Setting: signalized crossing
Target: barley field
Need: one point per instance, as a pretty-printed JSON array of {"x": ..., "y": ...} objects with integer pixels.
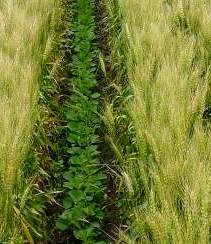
[{"x": 105, "y": 112}]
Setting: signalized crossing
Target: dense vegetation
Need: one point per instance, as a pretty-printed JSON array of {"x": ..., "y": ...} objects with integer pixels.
[
  {"x": 105, "y": 121},
  {"x": 24, "y": 29},
  {"x": 84, "y": 180},
  {"x": 167, "y": 175}
]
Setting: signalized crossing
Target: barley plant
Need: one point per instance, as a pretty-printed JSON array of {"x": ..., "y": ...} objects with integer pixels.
[
  {"x": 168, "y": 65},
  {"x": 23, "y": 28}
]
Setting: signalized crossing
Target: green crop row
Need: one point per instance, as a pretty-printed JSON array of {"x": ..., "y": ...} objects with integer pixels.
[{"x": 84, "y": 180}]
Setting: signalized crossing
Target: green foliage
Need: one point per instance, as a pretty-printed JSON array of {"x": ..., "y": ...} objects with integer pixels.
[{"x": 84, "y": 179}]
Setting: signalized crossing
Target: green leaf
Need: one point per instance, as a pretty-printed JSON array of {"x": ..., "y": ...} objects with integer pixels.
[
  {"x": 76, "y": 195},
  {"x": 62, "y": 225}
]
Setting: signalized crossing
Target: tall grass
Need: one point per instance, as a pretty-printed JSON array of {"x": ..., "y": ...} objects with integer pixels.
[
  {"x": 23, "y": 28},
  {"x": 168, "y": 66}
]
